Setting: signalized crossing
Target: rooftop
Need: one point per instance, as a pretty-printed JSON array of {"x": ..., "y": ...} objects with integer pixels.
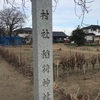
[
  {"x": 59, "y": 34},
  {"x": 92, "y": 27}
]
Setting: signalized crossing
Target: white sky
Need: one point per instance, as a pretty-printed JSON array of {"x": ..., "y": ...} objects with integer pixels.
[{"x": 64, "y": 18}]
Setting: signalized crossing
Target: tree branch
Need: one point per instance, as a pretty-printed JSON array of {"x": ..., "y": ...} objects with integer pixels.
[
  {"x": 56, "y": 2},
  {"x": 83, "y": 4},
  {"x": 84, "y": 8}
]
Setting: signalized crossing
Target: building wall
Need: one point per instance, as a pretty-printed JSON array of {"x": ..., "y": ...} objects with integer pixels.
[
  {"x": 97, "y": 40},
  {"x": 91, "y": 37},
  {"x": 96, "y": 31}
]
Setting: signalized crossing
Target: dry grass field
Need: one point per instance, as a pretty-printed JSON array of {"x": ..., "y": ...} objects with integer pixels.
[
  {"x": 78, "y": 82},
  {"x": 87, "y": 83}
]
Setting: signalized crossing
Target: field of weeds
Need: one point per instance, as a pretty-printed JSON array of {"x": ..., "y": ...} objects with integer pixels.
[{"x": 84, "y": 79}]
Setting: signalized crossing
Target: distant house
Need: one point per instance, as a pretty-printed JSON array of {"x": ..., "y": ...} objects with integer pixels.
[
  {"x": 59, "y": 37},
  {"x": 27, "y": 34},
  {"x": 92, "y": 33},
  {"x": 26, "y": 30},
  {"x": 13, "y": 40}
]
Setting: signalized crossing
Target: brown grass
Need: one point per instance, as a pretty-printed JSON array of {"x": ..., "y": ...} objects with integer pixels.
[{"x": 87, "y": 83}]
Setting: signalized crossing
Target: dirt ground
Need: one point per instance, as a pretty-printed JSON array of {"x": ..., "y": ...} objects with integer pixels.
[{"x": 13, "y": 86}]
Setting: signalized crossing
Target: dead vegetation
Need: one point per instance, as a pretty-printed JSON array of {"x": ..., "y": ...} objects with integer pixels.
[
  {"x": 78, "y": 67},
  {"x": 14, "y": 60}
]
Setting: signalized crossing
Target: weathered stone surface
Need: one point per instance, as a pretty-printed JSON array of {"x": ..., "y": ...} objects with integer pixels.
[{"x": 42, "y": 49}]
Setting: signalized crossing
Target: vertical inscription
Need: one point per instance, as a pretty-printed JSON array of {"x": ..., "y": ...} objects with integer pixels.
[
  {"x": 46, "y": 96},
  {"x": 46, "y": 68},
  {"x": 44, "y": 14},
  {"x": 45, "y": 54},
  {"x": 42, "y": 53},
  {"x": 46, "y": 82},
  {"x": 45, "y": 34}
]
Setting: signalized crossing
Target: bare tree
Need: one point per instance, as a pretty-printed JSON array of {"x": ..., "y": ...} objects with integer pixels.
[{"x": 11, "y": 19}]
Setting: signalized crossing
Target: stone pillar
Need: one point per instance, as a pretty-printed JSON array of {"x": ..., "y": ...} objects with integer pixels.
[{"x": 42, "y": 49}]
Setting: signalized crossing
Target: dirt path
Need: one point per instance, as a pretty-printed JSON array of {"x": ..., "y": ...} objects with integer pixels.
[{"x": 13, "y": 86}]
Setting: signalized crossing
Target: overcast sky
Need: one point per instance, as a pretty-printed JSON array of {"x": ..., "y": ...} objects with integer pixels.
[{"x": 64, "y": 18}]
